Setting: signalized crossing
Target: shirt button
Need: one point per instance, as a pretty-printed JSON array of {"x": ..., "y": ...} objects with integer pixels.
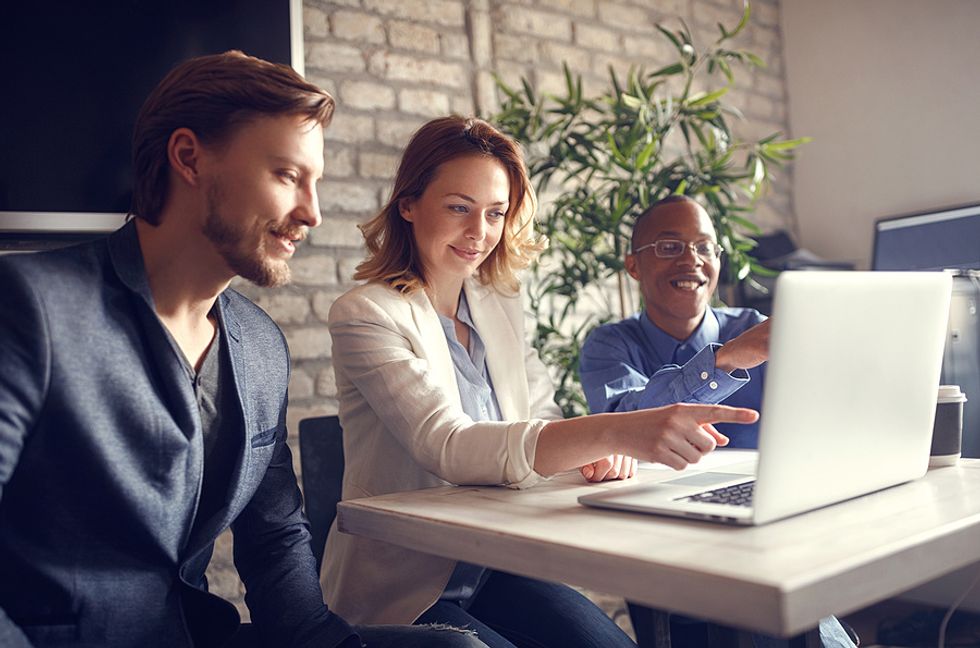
[
  {"x": 704, "y": 375},
  {"x": 713, "y": 384}
]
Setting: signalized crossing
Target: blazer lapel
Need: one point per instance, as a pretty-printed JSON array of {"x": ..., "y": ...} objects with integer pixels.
[
  {"x": 231, "y": 335},
  {"x": 505, "y": 350},
  {"x": 433, "y": 345}
]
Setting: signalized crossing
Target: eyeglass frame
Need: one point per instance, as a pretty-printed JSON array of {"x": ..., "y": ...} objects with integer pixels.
[{"x": 688, "y": 245}]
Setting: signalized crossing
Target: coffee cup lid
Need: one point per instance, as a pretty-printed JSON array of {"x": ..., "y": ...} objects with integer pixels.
[{"x": 951, "y": 394}]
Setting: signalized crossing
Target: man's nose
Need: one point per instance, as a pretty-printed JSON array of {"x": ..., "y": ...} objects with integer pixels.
[
  {"x": 689, "y": 256},
  {"x": 308, "y": 210}
]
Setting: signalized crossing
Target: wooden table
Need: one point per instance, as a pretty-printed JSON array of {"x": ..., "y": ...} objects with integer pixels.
[{"x": 779, "y": 578}]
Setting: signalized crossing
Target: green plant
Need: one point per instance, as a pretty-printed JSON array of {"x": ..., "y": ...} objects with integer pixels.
[{"x": 609, "y": 157}]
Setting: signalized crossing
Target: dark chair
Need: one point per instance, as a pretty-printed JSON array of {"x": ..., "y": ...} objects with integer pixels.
[{"x": 321, "y": 457}]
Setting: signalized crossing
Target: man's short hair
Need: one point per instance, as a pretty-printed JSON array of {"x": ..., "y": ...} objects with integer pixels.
[
  {"x": 212, "y": 96},
  {"x": 652, "y": 209}
]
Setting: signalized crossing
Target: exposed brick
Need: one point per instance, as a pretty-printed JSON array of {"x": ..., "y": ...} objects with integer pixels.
[
  {"x": 430, "y": 103},
  {"x": 357, "y": 26},
  {"x": 652, "y": 47},
  {"x": 486, "y": 94},
  {"x": 350, "y": 128},
  {"x": 366, "y": 95},
  {"x": 326, "y": 383},
  {"x": 400, "y": 67},
  {"x": 766, "y": 14},
  {"x": 709, "y": 15},
  {"x": 300, "y": 384},
  {"x": 337, "y": 232},
  {"x": 600, "y": 38},
  {"x": 322, "y": 302},
  {"x": 285, "y": 308},
  {"x": 315, "y": 23},
  {"x": 314, "y": 270},
  {"x": 347, "y": 197},
  {"x": 345, "y": 268},
  {"x": 481, "y": 30},
  {"x": 325, "y": 82},
  {"x": 534, "y": 22},
  {"x": 550, "y": 81},
  {"x": 334, "y": 57},
  {"x": 557, "y": 53},
  {"x": 624, "y": 16},
  {"x": 768, "y": 85},
  {"x": 462, "y": 104},
  {"x": 338, "y": 162},
  {"x": 441, "y": 12},
  {"x": 378, "y": 165},
  {"x": 514, "y": 48},
  {"x": 308, "y": 343},
  {"x": 396, "y": 132},
  {"x": 455, "y": 45},
  {"x": 578, "y": 7},
  {"x": 406, "y": 35}
]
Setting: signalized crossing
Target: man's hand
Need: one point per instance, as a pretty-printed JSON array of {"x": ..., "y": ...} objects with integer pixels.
[
  {"x": 612, "y": 467},
  {"x": 750, "y": 349}
]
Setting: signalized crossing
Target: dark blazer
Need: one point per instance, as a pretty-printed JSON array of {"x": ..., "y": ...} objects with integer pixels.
[{"x": 101, "y": 465}]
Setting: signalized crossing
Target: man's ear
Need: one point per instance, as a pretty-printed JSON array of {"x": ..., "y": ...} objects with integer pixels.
[
  {"x": 405, "y": 208},
  {"x": 184, "y": 154},
  {"x": 631, "y": 269}
]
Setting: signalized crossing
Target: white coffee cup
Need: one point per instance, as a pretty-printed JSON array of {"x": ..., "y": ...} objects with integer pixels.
[{"x": 947, "y": 432}]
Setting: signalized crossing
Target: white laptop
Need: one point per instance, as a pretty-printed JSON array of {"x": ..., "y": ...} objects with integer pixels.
[{"x": 848, "y": 404}]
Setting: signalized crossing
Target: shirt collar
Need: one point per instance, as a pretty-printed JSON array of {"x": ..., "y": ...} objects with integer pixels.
[{"x": 666, "y": 346}]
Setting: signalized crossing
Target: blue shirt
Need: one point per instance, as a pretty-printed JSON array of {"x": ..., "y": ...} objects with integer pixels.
[
  {"x": 480, "y": 404},
  {"x": 632, "y": 364}
]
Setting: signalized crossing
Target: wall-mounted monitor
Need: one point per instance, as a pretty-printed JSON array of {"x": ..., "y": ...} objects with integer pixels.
[{"x": 75, "y": 76}]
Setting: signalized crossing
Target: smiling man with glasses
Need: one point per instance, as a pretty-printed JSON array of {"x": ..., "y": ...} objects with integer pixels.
[{"x": 678, "y": 349}]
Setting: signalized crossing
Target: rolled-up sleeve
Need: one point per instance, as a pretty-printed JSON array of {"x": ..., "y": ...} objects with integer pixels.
[{"x": 375, "y": 355}]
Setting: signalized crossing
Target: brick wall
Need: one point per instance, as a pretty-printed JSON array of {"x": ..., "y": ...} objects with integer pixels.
[{"x": 393, "y": 64}]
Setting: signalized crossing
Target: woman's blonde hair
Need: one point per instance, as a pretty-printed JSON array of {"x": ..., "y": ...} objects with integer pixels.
[{"x": 392, "y": 254}]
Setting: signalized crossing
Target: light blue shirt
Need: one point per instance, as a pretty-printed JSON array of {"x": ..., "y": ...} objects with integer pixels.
[
  {"x": 632, "y": 364},
  {"x": 480, "y": 404}
]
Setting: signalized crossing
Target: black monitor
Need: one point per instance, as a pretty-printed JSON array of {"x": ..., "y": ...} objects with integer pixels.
[
  {"x": 931, "y": 240},
  {"x": 945, "y": 239},
  {"x": 75, "y": 75}
]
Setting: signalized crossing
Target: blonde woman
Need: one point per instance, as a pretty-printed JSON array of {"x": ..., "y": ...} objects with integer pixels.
[{"x": 437, "y": 385}]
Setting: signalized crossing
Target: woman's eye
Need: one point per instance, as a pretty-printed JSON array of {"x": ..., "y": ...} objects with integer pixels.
[
  {"x": 288, "y": 176},
  {"x": 459, "y": 209},
  {"x": 496, "y": 215}
]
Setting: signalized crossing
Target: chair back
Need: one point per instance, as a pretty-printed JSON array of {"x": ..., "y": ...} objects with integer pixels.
[{"x": 321, "y": 456}]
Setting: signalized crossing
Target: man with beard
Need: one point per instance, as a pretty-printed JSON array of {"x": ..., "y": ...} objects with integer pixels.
[{"x": 143, "y": 402}]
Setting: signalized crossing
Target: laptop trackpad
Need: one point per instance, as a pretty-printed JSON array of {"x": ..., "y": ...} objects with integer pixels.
[{"x": 705, "y": 479}]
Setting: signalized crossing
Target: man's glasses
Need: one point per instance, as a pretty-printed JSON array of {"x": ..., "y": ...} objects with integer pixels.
[{"x": 672, "y": 248}]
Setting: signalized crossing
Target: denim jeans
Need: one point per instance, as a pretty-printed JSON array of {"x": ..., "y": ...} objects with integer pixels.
[
  {"x": 417, "y": 636},
  {"x": 385, "y": 636},
  {"x": 509, "y": 610},
  {"x": 686, "y": 632}
]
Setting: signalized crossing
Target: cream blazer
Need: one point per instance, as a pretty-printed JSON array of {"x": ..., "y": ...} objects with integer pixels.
[{"x": 404, "y": 429}]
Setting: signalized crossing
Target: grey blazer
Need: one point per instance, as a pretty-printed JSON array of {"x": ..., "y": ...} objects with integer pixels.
[{"x": 101, "y": 466}]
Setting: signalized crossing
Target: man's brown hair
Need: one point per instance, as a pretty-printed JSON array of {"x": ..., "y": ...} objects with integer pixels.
[{"x": 212, "y": 96}]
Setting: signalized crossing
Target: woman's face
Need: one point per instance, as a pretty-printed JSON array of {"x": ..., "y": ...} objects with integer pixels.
[{"x": 459, "y": 218}]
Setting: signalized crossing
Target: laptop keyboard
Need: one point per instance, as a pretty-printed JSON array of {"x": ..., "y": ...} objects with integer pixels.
[{"x": 734, "y": 495}]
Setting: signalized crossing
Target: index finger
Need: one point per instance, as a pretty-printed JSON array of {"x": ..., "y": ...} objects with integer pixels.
[{"x": 723, "y": 414}]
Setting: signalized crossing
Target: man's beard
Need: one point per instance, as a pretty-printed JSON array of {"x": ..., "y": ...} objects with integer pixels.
[{"x": 244, "y": 257}]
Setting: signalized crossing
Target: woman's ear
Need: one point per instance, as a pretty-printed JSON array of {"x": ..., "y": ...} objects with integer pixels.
[{"x": 405, "y": 208}]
